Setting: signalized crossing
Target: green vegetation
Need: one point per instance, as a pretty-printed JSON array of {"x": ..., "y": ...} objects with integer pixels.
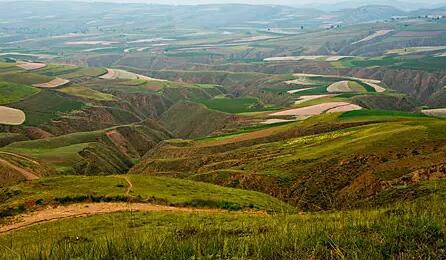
[
  {"x": 72, "y": 72},
  {"x": 431, "y": 64},
  {"x": 88, "y": 93},
  {"x": 379, "y": 114},
  {"x": 278, "y": 158},
  {"x": 415, "y": 230},
  {"x": 234, "y": 105},
  {"x": 46, "y": 106},
  {"x": 10, "y": 92},
  {"x": 26, "y": 78},
  {"x": 158, "y": 190}
]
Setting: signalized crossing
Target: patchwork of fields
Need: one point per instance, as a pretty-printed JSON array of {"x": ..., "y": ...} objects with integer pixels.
[{"x": 137, "y": 131}]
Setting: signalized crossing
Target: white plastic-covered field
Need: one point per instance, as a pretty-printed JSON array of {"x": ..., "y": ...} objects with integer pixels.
[
  {"x": 11, "y": 116},
  {"x": 373, "y": 36},
  {"x": 30, "y": 65},
  {"x": 123, "y": 74},
  {"x": 316, "y": 109},
  {"x": 57, "y": 82}
]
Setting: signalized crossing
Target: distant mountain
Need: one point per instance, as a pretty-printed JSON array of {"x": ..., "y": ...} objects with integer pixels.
[
  {"x": 368, "y": 13},
  {"x": 400, "y": 4}
]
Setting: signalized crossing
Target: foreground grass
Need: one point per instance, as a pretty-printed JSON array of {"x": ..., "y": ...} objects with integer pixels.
[
  {"x": 158, "y": 190},
  {"x": 407, "y": 231}
]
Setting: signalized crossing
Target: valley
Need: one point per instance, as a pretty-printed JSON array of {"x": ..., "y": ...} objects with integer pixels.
[{"x": 220, "y": 131}]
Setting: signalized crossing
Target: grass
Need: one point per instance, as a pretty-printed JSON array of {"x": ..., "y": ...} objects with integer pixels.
[
  {"x": 366, "y": 114},
  {"x": 311, "y": 164},
  {"x": 10, "y": 92},
  {"x": 430, "y": 64},
  {"x": 233, "y": 105},
  {"x": 158, "y": 190},
  {"x": 408, "y": 231},
  {"x": 72, "y": 72},
  {"x": 84, "y": 92},
  {"x": 26, "y": 78},
  {"x": 46, "y": 106}
]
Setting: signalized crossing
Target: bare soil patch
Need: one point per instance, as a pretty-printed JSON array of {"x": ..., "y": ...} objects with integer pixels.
[
  {"x": 11, "y": 116},
  {"x": 57, "y": 82},
  {"x": 350, "y": 107},
  {"x": 30, "y": 65},
  {"x": 373, "y": 36},
  {"x": 29, "y": 175},
  {"x": 303, "y": 99},
  {"x": 123, "y": 74},
  {"x": 89, "y": 209},
  {"x": 439, "y": 112},
  {"x": 311, "y": 110}
]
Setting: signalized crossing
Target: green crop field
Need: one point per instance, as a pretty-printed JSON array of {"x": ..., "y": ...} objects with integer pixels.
[
  {"x": 234, "y": 105},
  {"x": 26, "y": 78},
  {"x": 85, "y": 92},
  {"x": 11, "y": 93},
  {"x": 219, "y": 131},
  {"x": 46, "y": 106}
]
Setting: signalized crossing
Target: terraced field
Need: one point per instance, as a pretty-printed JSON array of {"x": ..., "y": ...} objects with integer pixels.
[{"x": 222, "y": 131}]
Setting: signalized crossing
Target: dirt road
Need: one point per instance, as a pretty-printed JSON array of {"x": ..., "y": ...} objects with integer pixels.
[{"x": 90, "y": 209}]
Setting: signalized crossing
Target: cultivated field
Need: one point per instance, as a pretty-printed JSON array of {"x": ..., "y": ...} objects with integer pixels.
[
  {"x": 11, "y": 116},
  {"x": 439, "y": 112},
  {"x": 373, "y": 36},
  {"x": 313, "y": 110},
  {"x": 122, "y": 74},
  {"x": 57, "y": 82},
  {"x": 30, "y": 65},
  {"x": 300, "y": 58},
  {"x": 345, "y": 86}
]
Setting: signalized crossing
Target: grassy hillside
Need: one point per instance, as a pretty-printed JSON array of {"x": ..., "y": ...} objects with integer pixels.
[
  {"x": 325, "y": 162},
  {"x": 46, "y": 106},
  {"x": 158, "y": 190},
  {"x": 414, "y": 230},
  {"x": 10, "y": 93},
  {"x": 108, "y": 151},
  {"x": 189, "y": 120}
]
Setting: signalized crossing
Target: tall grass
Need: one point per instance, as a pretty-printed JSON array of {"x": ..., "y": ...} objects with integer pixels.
[{"x": 411, "y": 231}]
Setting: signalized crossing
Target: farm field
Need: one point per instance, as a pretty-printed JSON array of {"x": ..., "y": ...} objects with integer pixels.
[
  {"x": 11, "y": 116},
  {"x": 222, "y": 131}
]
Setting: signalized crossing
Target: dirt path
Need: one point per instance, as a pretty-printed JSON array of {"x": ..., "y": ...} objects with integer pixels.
[
  {"x": 130, "y": 185},
  {"x": 90, "y": 209},
  {"x": 26, "y": 173}
]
